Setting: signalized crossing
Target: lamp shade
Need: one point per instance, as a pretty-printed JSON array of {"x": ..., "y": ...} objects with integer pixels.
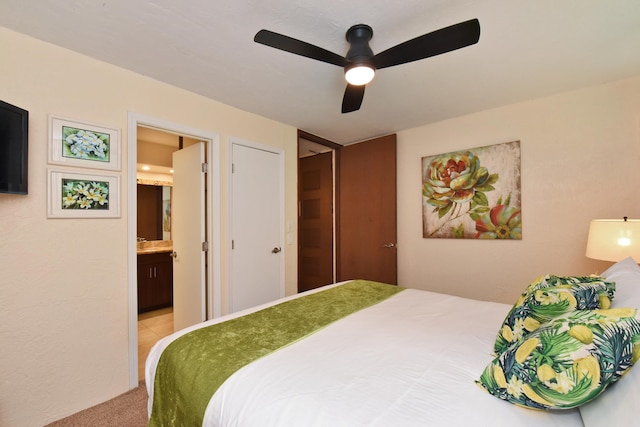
[{"x": 614, "y": 239}]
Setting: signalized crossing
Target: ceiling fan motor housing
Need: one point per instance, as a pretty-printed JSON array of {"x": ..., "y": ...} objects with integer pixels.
[{"x": 359, "y": 53}]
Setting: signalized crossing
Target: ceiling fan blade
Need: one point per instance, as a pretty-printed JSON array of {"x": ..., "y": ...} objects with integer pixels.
[
  {"x": 431, "y": 44},
  {"x": 298, "y": 47},
  {"x": 352, "y": 98}
]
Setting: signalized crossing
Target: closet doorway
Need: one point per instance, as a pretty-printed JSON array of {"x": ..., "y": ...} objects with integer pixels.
[
  {"x": 317, "y": 159},
  {"x": 361, "y": 237}
]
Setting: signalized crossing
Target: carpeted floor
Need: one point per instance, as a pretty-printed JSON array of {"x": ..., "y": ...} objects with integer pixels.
[{"x": 126, "y": 410}]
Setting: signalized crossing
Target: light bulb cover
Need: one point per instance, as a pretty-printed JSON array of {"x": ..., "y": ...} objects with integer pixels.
[{"x": 359, "y": 75}]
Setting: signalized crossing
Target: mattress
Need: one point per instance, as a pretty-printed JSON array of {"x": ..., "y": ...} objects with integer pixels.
[{"x": 410, "y": 360}]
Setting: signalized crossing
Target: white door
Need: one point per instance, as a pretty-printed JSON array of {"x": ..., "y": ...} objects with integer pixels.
[
  {"x": 188, "y": 233},
  {"x": 257, "y": 216}
]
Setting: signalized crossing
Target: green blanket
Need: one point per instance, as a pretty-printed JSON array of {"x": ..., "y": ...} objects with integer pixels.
[{"x": 192, "y": 368}]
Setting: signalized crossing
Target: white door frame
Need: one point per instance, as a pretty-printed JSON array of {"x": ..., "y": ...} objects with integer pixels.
[
  {"x": 212, "y": 141},
  {"x": 280, "y": 152}
]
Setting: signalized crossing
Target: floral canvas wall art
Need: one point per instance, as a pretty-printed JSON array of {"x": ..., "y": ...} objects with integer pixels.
[{"x": 473, "y": 194}]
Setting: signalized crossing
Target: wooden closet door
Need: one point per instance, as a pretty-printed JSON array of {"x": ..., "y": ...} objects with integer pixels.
[
  {"x": 315, "y": 221},
  {"x": 367, "y": 218}
]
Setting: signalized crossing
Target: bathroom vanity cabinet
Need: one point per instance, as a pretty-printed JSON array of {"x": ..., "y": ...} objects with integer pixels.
[{"x": 155, "y": 281}]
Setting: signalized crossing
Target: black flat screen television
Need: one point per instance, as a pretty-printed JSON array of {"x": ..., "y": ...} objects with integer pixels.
[{"x": 14, "y": 141}]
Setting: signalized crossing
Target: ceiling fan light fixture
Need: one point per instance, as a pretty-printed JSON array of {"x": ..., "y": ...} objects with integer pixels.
[
  {"x": 360, "y": 63},
  {"x": 359, "y": 74}
]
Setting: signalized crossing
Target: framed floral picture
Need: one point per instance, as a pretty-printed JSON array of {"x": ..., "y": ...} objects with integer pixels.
[
  {"x": 80, "y": 195},
  {"x": 473, "y": 194},
  {"x": 83, "y": 145}
]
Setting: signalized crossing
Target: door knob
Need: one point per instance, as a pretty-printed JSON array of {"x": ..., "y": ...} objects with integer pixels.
[
  {"x": 275, "y": 250},
  {"x": 174, "y": 254},
  {"x": 390, "y": 245}
]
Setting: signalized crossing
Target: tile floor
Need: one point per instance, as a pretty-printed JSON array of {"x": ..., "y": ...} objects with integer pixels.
[{"x": 152, "y": 326}]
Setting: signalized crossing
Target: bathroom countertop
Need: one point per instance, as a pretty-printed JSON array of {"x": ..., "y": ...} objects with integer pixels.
[{"x": 154, "y": 247}]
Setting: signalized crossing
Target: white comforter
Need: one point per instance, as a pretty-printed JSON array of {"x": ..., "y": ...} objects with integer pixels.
[{"x": 410, "y": 360}]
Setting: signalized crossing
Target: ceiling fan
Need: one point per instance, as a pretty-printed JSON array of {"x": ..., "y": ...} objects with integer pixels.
[{"x": 360, "y": 63}]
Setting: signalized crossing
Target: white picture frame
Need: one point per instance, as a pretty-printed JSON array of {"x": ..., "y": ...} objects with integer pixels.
[
  {"x": 83, "y": 145},
  {"x": 82, "y": 195}
]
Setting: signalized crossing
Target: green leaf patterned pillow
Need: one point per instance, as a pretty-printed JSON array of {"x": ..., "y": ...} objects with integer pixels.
[
  {"x": 548, "y": 297},
  {"x": 568, "y": 361}
]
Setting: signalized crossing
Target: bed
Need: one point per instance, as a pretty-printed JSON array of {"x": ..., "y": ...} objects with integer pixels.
[{"x": 399, "y": 357}]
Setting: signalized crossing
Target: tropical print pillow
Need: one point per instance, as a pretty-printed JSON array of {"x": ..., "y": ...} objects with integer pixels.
[
  {"x": 548, "y": 297},
  {"x": 568, "y": 361}
]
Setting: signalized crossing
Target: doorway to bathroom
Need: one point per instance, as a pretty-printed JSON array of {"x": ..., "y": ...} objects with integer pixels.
[{"x": 206, "y": 208}]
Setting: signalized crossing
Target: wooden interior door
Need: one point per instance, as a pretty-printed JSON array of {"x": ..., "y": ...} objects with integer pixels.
[
  {"x": 315, "y": 221},
  {"x": 367, "y": 217}
]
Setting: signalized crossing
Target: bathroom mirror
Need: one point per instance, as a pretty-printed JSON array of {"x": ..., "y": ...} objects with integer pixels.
[{"x": 154, "y": 211}]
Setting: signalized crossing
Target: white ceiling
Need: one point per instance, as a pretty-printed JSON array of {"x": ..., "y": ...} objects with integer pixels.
[{"x": 527, "y": 49}]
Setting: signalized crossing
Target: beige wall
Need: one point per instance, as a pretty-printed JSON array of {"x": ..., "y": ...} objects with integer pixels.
[
  {"x": 155, "y": 154},
  {"x": 63, "y": 283},
  {"x": 580, "y": 160}
]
